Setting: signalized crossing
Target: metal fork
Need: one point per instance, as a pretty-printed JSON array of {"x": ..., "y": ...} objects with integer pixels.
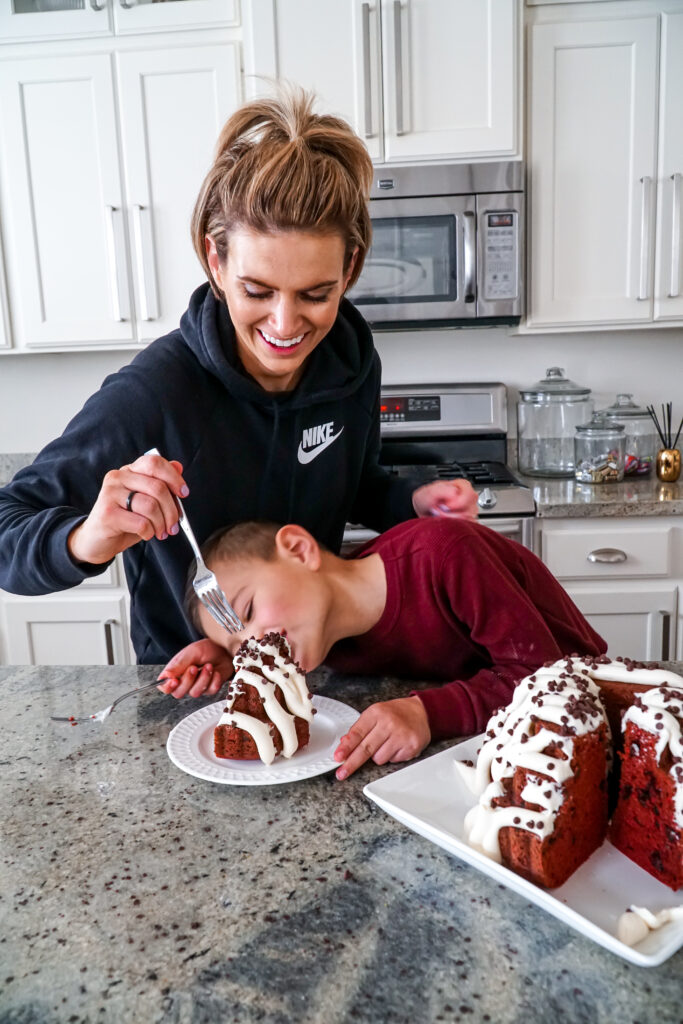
[
  {"x": 205, "y": 584},
  {"x": 100, "y": 716}
]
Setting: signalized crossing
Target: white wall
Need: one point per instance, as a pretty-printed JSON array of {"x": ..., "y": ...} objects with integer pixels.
[{"x": 39, "y": 393}]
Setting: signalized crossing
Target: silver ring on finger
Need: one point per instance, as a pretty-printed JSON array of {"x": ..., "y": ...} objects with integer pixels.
[{"x": 129, "y": 500}]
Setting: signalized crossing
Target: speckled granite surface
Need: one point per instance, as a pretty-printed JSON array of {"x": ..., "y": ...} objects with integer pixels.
[
  {"x": 11, "y": 464},
  {"x": 557, "y": 499},
  {"x": 132, "y": 892}
]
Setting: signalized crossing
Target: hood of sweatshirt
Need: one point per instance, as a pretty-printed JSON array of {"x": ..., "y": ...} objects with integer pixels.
[{"x": 336, "y": 368}]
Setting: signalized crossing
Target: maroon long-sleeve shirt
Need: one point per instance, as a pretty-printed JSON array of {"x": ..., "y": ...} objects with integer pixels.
[{"x": 470, "y": 608}]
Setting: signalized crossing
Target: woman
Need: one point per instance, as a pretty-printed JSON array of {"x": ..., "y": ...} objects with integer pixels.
[{"x": 264, "y": 404}]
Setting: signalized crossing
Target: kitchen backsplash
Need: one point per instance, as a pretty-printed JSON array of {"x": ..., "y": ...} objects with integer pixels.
[{"x": 11, "y": 464}]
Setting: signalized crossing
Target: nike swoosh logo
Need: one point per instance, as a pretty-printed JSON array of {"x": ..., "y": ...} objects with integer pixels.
[{"x": 313, "y": 453}]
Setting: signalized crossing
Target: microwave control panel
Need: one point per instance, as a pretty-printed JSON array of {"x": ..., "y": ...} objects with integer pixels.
[{"x": 500, "y": 255}]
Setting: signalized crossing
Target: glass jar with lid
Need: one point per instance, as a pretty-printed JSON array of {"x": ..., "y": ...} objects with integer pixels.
[
  {"x": 548, "y": 413},
  {"x": 639, "y": 432},
  {"x": 599, "y": 451}
]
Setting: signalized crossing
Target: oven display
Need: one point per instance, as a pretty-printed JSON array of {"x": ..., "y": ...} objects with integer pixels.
[{"x": 409, "y": 409}]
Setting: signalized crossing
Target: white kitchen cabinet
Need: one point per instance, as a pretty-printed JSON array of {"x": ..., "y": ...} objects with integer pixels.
[
  {"x": 173, "y": 104},
  {"x": 592, "y": 168},
  {"x": 636, "y": 622},
  {"x": 668, "y": 272},
  {"x": 53, "y": 19},
  {"x": 605, "y": 176},
  {"x": 63, "y": 202},
  {"x": 91, "y": 264},
  {"x": 625, "y": 575},
  {"x": 418, "y": 79},
  {"x": 87, "y": 625}
]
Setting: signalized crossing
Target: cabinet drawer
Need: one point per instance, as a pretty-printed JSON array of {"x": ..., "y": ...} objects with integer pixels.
[{"x": 608, "y": 553}]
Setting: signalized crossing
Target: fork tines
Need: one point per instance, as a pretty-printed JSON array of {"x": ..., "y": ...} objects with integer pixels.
[{"x": 216, "y": 604}]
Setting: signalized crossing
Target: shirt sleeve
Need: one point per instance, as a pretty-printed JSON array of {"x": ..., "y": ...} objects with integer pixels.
[
  {"x": 481, "y": 592},
  {"x": 45, "y": 501}
]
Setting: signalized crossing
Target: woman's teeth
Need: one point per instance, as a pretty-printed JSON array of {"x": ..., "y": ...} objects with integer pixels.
[{"x": 282, "y": 342}]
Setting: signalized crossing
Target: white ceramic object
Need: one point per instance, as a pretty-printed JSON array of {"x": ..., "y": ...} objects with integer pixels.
[
  {"x": 190, "y": 747},
  {"x": 431, "y": 799}
]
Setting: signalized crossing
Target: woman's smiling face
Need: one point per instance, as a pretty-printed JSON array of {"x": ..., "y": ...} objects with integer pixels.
[{"x": 283, "y": 292}]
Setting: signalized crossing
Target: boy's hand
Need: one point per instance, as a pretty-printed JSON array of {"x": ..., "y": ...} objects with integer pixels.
[
  {"x": 456, "y": 498},
  {"x": 393, "y": 730},
  {"x": 200, "y": 669}
]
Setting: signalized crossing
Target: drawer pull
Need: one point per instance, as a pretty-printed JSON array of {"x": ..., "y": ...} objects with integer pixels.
[
  {"x": 609, "y": 556},
  {"x": 109, "y": 640}
]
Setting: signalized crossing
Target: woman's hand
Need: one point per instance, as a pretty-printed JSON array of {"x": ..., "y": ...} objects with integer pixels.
[
  {"x": 456, "y": 498},
  {"x": 393, "y": 730},
  {"x": 199, "y": 670},
  {"x": 115, "y": 523}
]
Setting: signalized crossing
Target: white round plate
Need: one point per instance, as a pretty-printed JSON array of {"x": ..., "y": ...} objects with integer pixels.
[{"x": 190, "y": 747}]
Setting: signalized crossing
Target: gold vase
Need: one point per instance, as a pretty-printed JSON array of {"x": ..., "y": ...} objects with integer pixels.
[{"x": 668, "y": 464}]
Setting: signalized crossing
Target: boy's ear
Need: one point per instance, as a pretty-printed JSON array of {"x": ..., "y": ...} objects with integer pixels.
[{"x": 297, "y": 544}]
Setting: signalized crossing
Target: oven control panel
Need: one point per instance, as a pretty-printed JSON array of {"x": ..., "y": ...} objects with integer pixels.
[
  {"x": 464, "y": 409},
  {"x": 410, "y": 409}
]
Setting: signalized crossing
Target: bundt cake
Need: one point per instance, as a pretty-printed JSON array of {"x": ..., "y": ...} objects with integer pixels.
[
  {"x": 268, "y": 708},
  {"x": 648, "y": 820},
  {"x": 540, "y": 774}
]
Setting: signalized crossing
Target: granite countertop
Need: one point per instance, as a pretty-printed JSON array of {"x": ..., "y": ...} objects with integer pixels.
[
  {"x": 133, "y": 892},
  {"x": 634, "y": 496}
]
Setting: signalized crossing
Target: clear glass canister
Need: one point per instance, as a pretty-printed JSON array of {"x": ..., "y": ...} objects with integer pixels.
[
  {"x": 640, "y": 437},
  {"x": 548, "y": 413},
  {"x": 599, "y": 451}
]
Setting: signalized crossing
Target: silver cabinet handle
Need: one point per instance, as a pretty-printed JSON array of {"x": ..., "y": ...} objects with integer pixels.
[
  {"x": 109, "y": 640},
  {"x": 98, "y": 7},
  {"x": 125, "y": 4},
  {"x": 398, "y": 62},
  {"x": 607, "y": 555},
  {"x": 666, "y": 635},
  {"x": 367, "y": 75},
  {"x": 118, "y": 279},
  {"x": 144, "y": 262},
  {"x": 469, "y": 290},
  {"x": 675, "y": 286},
  {"x": 644, "y": 285}
]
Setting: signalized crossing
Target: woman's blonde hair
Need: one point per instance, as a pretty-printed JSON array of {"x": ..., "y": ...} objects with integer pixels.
[{"x": 279, "y": 166}]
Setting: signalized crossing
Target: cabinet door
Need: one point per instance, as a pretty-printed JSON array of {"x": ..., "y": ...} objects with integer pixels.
[
  {"x": 62, "y": 201},
  {"x": 331, "y": 47},
  {"x": 636, "y": 621},
  {"x": 66, "y": 630},
  {"x": 173, "y": 104},
  {"x": 592, "y": 165},
  {"x": 5, "y": 332},
  {"x": 450, "y": 77},
  {"x": 669, "y": 273},
  {"x": 52, "y": 19},
  {"x": 150, "y": 16}
]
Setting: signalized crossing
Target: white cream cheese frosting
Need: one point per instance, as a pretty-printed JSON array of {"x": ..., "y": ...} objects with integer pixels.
[
  {"x": 267, "y": 665},
  {"x": 565, "y": 695}
]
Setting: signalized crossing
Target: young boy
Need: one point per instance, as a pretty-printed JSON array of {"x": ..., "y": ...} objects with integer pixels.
[{"x": 431, "y": 599}]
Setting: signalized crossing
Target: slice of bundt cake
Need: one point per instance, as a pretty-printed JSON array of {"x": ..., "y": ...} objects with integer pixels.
[
  {"x": 541, "y": 776},
  {"x": 268, "y": 708},
  {"x": 648, "y": 821}
]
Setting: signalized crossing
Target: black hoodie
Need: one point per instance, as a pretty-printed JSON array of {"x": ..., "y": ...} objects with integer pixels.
[{"x": 307, "y": 456}]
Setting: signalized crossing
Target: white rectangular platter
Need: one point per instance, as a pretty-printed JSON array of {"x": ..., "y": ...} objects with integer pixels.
[{"x": 431, "y": 799}]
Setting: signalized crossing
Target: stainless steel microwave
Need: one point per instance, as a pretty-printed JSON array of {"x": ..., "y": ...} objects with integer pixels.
[{"x": 447, "y": 246}]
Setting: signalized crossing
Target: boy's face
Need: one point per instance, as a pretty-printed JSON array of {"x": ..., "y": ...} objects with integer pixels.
[{"x": 283, "y": 595}]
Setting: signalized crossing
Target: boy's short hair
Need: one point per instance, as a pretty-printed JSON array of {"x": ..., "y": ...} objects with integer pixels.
[{"x": 248, "y": 540}]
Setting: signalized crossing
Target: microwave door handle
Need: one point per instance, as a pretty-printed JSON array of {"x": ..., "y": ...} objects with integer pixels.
[{"x": 469, "y": 285}]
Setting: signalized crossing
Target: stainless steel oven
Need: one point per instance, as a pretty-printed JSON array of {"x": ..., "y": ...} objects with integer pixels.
[
  {"x": 442, "y": 431},
  {"x": 447, "y": 247}
]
